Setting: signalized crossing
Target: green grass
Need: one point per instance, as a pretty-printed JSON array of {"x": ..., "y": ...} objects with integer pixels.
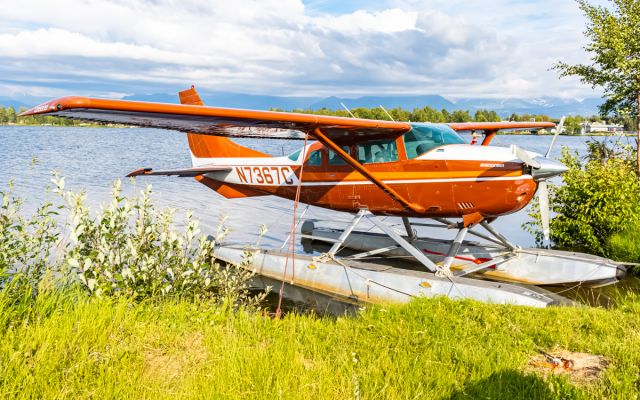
[
  {"x": 625, "y": 246},
  {"x": 68, "y": 346}
]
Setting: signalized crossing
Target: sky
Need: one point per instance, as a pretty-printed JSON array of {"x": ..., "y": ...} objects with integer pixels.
[{"x": 458, "y": 49}]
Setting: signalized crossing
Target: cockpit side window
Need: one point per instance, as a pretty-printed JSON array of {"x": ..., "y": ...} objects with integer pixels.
[
  {"x": 378, "y": 151},
  {"x": 335, "y": 159},
  {"x": 421, "y": 139}
]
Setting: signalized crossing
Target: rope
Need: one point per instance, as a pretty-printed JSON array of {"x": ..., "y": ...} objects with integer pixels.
[{"x": 292, "y": 233}]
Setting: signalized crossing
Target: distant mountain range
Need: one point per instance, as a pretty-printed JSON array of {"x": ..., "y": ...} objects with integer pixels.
[
  {"x": 11, "y": 102},
  {"x": 553, "y": 106}
]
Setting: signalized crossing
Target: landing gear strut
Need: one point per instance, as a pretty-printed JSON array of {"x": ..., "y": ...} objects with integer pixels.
[{"x": 407, "y": 243}]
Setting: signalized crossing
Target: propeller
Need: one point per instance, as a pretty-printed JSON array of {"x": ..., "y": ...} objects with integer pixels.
[
  {"x": 559, "y": 128},
  {"x": 543, "y": 189},
  {"x": 543, "y": 203}
]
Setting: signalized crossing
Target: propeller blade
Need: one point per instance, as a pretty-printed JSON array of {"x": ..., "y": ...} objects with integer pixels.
[
  {"x": 543, "y": 202},
  {"x": 553, "y": 141},
  {"x": 524, "y": 156}
]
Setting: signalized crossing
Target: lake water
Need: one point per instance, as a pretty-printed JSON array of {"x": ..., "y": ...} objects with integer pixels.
[{"x": 92, "y": 158}]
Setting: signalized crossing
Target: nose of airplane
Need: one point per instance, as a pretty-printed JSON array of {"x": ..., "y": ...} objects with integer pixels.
[{"x": 548, "y": 168}]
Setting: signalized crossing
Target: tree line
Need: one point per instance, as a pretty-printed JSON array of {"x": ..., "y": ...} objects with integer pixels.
[
  {"x": 572, "y": 125},
  {"x": 9, "y": 115},
  {"x": 424, "y": 114}
]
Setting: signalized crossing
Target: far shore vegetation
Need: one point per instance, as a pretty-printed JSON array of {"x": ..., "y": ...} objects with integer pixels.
[
  {"x": 9, "y": 116},
  {"x": 572, "y": 123}
]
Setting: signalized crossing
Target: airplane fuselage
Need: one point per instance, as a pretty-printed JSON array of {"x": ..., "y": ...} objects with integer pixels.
[{"x": 448, "y": 181}]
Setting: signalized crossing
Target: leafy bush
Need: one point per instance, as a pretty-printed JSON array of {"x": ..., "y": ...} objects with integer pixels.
[
  {"x": 597, "y": 201},
  {"x": 128, "y": 249}
]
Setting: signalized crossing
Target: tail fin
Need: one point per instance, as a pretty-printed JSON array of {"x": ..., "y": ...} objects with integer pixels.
[{"x": 205, "y": 146}]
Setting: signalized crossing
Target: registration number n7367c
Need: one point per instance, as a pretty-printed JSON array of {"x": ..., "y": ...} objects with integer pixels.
[{"x": 265, "y": 175}]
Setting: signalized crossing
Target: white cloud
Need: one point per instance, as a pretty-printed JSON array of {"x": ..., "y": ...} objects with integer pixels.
[{"x": 453, "y": 48}]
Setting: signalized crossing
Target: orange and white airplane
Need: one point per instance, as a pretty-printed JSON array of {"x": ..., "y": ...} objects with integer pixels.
[{"x": 419, "y": 170}]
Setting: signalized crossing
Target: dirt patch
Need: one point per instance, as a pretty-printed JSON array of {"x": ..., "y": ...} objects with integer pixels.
[
  {"x": 581, "y": 368},
  {"x": 172, "y": 362}
]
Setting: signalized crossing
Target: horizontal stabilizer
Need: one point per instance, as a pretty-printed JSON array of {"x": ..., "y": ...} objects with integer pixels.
[{"x": 189, "y": 172}]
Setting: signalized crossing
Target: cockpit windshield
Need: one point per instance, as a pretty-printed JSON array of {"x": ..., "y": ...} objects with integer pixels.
[{"x": 424, "y": 137}]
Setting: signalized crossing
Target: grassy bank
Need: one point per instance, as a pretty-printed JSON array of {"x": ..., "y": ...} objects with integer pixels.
[
  {"x": 68, "y": 346},
  {"x": 122, "y": 303}
]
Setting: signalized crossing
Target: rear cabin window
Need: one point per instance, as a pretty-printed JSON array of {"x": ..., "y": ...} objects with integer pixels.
[
  {"x": 422, "y": 138},
  {"x": 335, "y": 159},
  {"x": 378, "y": 151}
]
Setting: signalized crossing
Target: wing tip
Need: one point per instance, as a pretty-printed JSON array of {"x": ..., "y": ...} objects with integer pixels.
[
  {"x": 56, "y": 105},
  {"x": 139, "y": 171}
]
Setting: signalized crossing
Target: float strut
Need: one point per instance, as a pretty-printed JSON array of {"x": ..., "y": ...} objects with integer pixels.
[
  {"x": 498, "y": 235},
  {"x": 453, "y": 250},
  {"x": 345, "y": 234},
  {"x": 411, "y": 249},
  {"x": 411, "y": 234}
]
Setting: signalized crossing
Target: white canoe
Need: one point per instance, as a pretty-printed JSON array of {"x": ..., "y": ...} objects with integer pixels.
[
  {"x": 359, "y": 283},
  {"x": 530, "y": 266}
]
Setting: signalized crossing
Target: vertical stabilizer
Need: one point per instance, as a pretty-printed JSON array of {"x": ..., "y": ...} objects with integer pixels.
[{"x": 206, "y": 146}]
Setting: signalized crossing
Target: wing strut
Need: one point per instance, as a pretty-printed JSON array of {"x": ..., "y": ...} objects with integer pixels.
[
  {"x": 416, "y": 208},
  {"x": 488, "y": 136}
]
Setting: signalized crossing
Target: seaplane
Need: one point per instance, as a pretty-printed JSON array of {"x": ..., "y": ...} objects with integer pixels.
[{"x": 426, "y": 174}]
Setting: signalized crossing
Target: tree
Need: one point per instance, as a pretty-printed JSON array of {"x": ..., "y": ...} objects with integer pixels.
[
  {"x": 460, "y": 116},
  {"x": 573, "y": 125},
  {"x": 11, "y": 115},
  {"x": 614, "y": 46},
  {"x": 480, "y": 116},
  {"x": 486, "y": 116}
]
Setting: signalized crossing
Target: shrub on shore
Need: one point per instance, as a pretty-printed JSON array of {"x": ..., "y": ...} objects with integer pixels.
[{"x": 128, "y": 249}]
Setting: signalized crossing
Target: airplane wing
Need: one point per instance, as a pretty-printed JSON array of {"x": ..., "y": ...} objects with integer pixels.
[
  {"x": 498, "y": 126},
  {"x": 189, "y": 172},
  {"x": 490, "y": 128},
  {"x": 219, "y": 121}
]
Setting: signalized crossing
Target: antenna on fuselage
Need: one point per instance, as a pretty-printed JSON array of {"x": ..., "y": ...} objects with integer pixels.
[
  {"x": 349, "y": 111},
  {"x": 387, "y": 112}
]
